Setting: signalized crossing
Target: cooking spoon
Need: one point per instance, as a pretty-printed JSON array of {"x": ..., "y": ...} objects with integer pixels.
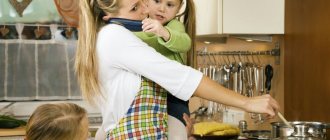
[{"x": 284, "y": 120}]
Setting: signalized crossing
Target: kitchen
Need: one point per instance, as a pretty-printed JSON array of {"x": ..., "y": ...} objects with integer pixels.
[{"x": 298, "y": 82}]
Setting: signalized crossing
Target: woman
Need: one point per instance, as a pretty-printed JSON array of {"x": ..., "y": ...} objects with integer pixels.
[{"x": 118, "y": 72}]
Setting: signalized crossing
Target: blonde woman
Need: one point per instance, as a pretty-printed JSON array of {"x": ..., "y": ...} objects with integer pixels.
[
  {"x": 129, "y": 81},
  {"x": 62, "y": 121},
  {"x": 173, "y": 39}
]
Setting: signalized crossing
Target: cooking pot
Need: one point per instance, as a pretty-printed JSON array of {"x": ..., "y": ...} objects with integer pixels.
[{"x": 301, "y": 129}]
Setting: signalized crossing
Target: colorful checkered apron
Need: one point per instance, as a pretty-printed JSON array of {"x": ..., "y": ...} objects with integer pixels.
[{"x": 147, "y": 116}]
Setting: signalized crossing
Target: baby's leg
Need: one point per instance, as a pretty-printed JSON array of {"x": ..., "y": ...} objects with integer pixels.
[{"x": 176, "y": 129}]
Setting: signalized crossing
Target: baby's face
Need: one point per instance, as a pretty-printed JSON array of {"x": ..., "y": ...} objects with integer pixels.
[{"x": 163, "y": 10}]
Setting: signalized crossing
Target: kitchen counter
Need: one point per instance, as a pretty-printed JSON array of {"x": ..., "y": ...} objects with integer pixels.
[{"x": 20, "y": 131}]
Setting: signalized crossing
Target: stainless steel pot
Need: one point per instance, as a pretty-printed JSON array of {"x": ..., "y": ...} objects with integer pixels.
[{"x": 300, "y": 129}]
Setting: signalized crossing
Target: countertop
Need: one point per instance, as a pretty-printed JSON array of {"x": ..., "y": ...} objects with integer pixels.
[{"x": 19, "y": 131}]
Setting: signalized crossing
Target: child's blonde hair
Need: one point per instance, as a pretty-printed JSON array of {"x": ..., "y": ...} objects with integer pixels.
[
  {"x": 63, "y": 121},
  {"x": 86, "y": 63}
]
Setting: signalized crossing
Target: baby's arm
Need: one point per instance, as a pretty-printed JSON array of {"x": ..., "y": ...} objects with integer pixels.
[
  {"x": 172, "y": 36},
  {"x": 179, "y": 39},
  {"x": 154, "y": 26}
]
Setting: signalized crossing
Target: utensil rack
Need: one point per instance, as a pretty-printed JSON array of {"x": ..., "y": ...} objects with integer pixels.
[{"x": 273, "y": 52}]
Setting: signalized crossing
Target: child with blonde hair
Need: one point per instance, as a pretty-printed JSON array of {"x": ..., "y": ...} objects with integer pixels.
[{"x": 62, "y": 121}]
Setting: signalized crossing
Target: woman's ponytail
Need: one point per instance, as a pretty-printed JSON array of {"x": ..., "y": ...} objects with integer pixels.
[{"x": 86, "y": 64}]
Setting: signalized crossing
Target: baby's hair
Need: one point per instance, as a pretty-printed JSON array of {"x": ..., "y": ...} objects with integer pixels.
[
  {"x": 62, "y": 121},
  {"x": 189, "y": 20}
]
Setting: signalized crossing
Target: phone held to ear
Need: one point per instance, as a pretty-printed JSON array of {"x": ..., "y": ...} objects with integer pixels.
[{"x": 132, "y": 25}]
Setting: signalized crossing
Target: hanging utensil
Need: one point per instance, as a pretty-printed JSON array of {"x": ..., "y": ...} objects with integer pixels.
[
  {"x": 244, "y": 80},
  {"x": 250, "y": 85},
  {"x": 256, "y": 77},
  {"x": 218, "y": 67},
  {"x": 234, "y": 75},
  {"x": 269, "y": 76},
  {"x": 239, "y": 79},
  {"x": 261, "y": 79}
]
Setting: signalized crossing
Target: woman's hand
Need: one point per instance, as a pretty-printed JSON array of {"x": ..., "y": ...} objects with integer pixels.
[
  {"x": 154, "y": 26},
  {"x": 262, "y": 104}
]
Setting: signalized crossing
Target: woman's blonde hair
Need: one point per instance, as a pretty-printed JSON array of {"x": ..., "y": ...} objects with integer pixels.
[
  {"x": 63, "y": 121},
  {"x": 189, "y": 20},
  {"x": 86, "y": 63}
]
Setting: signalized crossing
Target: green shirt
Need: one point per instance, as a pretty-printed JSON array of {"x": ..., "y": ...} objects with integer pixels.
[{"x": 175, "y": 48}]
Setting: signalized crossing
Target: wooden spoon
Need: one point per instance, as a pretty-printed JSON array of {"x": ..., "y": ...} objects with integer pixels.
[{"x": 284, "y": 120}]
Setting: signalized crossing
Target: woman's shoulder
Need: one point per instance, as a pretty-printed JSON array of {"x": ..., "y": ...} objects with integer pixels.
[
  {"x": 115, "y": 29},
  {"x": 115, "y": 32},
  {"x": 118, "y": 37}
]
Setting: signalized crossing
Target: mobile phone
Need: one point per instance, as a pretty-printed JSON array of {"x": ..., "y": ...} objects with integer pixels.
[{"x": 132, "y": 25}]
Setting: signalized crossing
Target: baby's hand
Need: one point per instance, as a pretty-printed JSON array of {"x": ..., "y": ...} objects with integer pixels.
[
  {"x": 154, "y": 26},
  {"x": 189, "y": 125}
]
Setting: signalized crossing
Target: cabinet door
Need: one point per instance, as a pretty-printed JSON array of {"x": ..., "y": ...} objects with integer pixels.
[
  {"x": 208, "y": 17},
  {"x": 253, "y": 16}
]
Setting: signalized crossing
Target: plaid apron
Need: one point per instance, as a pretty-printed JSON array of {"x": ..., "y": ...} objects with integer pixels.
[{"x": 147, "y": 116}]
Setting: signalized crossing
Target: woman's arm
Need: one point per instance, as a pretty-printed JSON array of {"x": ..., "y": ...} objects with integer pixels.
[
  {"x": 210, "y": 90},
  {"x": 128, "y": 52}
]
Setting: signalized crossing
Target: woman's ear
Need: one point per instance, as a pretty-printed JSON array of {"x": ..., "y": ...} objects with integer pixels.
[{"x": 106, "y": 18}]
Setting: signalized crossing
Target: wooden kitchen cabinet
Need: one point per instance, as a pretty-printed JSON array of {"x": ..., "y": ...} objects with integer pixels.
[
  {"x": 239, "y": 17},
  {"x": 306, "y": 57},
  {"x": 208, "y": 17}
]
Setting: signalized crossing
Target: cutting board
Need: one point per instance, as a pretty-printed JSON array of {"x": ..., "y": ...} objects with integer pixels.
[{"x": 19, "y": 131}]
